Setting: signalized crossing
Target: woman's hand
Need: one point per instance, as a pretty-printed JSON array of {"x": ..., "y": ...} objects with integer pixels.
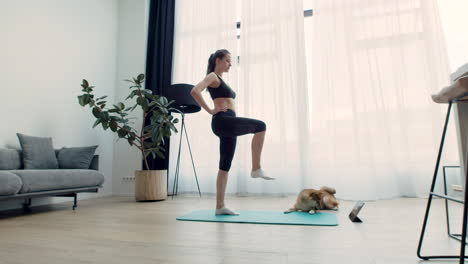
[{"x": 218, "y": 109}]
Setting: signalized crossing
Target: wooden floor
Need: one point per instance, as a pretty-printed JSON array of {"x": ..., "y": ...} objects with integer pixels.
[{"x": 119, "y": 230}]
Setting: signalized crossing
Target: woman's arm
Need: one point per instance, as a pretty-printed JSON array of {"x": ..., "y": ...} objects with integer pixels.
[{"x": 197, "y": 93}]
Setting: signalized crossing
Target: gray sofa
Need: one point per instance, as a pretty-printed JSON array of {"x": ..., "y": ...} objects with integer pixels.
[{"x": 19, "y": 183}]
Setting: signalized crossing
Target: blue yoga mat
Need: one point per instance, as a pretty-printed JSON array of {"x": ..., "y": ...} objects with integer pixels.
[{"x": 264, "y": 217}]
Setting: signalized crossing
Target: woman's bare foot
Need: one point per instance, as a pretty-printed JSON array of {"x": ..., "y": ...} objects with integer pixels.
[
  {"x": 259, "y": 173},
  {"x": 225, "y": 211}
]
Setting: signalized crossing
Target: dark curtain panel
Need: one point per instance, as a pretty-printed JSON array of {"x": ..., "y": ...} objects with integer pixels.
[{"x": 159, "y": 59}]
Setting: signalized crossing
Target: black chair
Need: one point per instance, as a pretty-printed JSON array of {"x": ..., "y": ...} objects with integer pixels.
[{"x": 184, "y": 104}]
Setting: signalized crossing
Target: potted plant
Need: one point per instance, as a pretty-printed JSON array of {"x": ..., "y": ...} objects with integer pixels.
[{"x": 149, "y": 139}]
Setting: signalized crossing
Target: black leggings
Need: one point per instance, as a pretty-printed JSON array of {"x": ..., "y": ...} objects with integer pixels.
[{"x": 227, "y": 127}]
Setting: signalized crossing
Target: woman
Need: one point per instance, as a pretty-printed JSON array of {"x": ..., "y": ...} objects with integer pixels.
[{"x": 226, "y": 125}]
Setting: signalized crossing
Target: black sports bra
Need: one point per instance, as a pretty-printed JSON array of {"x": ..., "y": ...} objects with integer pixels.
[{"x": 223, "y": 91}]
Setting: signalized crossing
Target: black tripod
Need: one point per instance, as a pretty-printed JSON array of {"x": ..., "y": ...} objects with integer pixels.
[
  {"x": 183, "y": 104},
  {"x": 176, "y": 176}
]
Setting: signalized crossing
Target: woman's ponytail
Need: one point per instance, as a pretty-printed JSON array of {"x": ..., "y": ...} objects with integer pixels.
[
  {"x": 211, "y": 64},
  {"x": 219, "y": 54}
]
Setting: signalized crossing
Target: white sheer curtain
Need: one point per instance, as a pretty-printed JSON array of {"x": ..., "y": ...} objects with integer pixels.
[
  {"x": 375, "y": 63},
  {"x": 365, "y": 125},
  {"x": 201, "y": 27},
  {"x": 273, "y": 88},
  {"x": 270, "y": 82}
]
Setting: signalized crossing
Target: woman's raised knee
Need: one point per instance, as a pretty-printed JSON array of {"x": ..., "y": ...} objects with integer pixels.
[{"x": 261, "y": 127}]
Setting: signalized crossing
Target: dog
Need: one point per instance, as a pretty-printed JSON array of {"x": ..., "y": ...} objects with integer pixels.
[{"x": 310, "y": 200}]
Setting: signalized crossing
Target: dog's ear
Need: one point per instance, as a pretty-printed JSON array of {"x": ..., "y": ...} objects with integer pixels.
[
  {"x": 329, "y": 190},
  {"x": 315, "y": 195}
]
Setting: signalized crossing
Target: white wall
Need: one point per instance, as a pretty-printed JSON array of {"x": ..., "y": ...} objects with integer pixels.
[
  {"x": 133, "y": 31},
  {"x": 47, "y": 47}
]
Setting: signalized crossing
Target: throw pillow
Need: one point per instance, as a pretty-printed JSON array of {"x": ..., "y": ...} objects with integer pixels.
[
  {"x": 38, "y": 152},
  {"x": 10, "y": 159},
  {"x": 76, "y": 158}
]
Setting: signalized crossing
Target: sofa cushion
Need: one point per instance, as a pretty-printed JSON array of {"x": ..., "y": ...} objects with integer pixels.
[
  {"x": 76, "y": 158},
  {"x": 38, "y": 152},
  {"x": 10, "y": 159},
  {"x": 10, "y": 183},
  {"x": 47, "y": 180}
]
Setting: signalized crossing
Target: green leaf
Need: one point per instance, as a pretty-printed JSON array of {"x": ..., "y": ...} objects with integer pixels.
[
  {"x": 159, "y": 153},
  {"x": 128, "y": 128},
  {"x": 84, "y": 84},
  {"x": 113, "y": 125},
  {"x": 81, "y": 100},
  {"x": 105, "y": 126},
  {"x": 132, "y": 94},
  {"x": 96, "y": 123},
  {"x": 86, "y": 99},
  {"x": 141, "y": 77},
  {"x": 121, "y": 106},
  {"x": 174, "y": 129},
  {"x": 163, "y": 100},
  {"x": 145, "y": 103},
  {"x": 105, "y": 116},
  {"x": 96, "y": 112},
  {"x": 121, "y": 133},
  {"x": 102, "y": 97},
  {"x": 151, "y": 104}
]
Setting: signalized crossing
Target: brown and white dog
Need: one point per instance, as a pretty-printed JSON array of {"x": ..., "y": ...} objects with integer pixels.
[{"x": 310, "y": 200}]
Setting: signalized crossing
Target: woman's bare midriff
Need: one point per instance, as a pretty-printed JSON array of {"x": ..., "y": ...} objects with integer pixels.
[{"x": 225, "y": 102}]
